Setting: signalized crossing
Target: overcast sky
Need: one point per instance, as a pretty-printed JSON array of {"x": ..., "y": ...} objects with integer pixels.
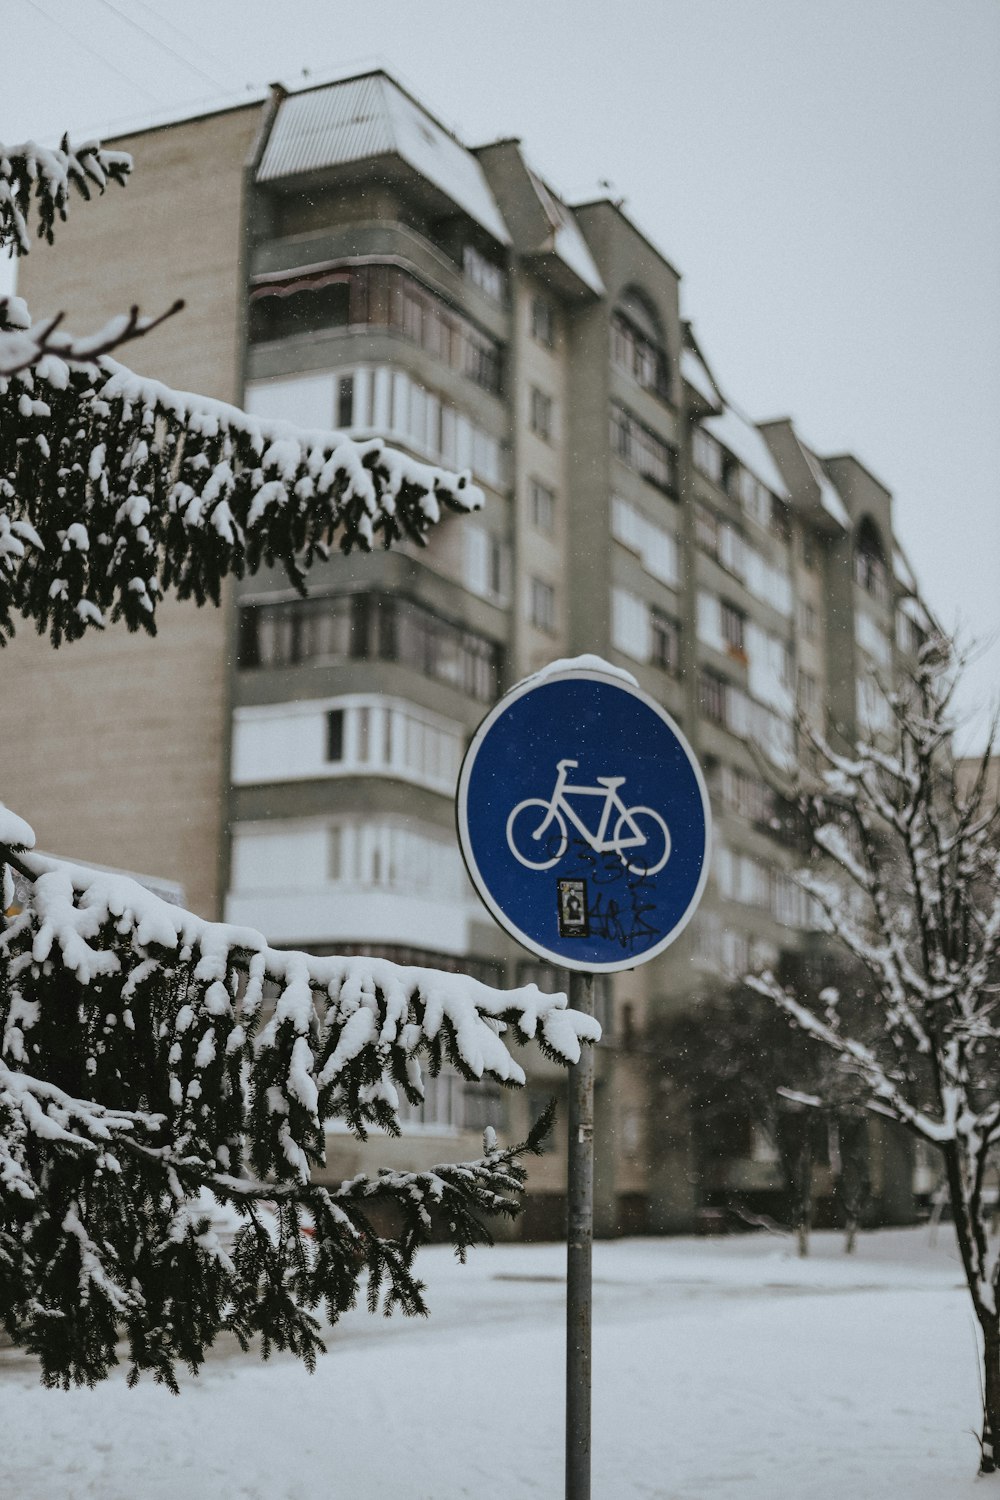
[{"x": 825, "y": 176}]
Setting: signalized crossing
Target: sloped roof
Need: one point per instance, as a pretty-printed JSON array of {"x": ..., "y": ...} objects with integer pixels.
[
  {"x": 695, "y": 372},
  {"x": 371, "y": 117},
  {"x": 567, "y": 241},
  {"x": 829, "y": 495},
  {"x": 744, "y": 442}
]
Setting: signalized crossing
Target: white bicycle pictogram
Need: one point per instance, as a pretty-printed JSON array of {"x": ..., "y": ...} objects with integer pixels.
[{"x": 635, "y": 828}]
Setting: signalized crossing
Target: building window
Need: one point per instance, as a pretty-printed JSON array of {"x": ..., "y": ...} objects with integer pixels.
[
  {"x": 375, "y": 295},
  {"x": 639, "y": 357},
  {"x": 745, "y": 795},
  {"x": 707, "y": 455},
  {"x": 654, "y": 544},
  {"x": 484, "y": 274},
  {"x": 369, "y": 627},
  {"x": 733, "y": 627},
  {"x": 543, "y": 507},
  {"x": 630, "y": 626},
  {"x": 642, "y": 450},
  {"x": 390, "y": 402},
  {"x": 542, "y": 606},
  {"x": 665, "y": 642},
  {"x": 540, "y": 415},
  {"x": 870, "y": 569},
  {"x": 807, "y": 620},
  {"x": 487, "y": 564},
  {"x": 335, "y": 734},
  {"x": 712, "y": 692},
  {"x": 810, "y": 697},
  {"x": 543, "y": 322},
  {"x": 345, "y": 401}
]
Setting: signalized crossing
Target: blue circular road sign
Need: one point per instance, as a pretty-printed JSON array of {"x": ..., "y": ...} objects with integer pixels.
[{"x": 584, "y": 820}]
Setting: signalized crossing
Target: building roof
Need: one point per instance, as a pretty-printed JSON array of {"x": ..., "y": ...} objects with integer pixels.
[
  {"x": 744, "y": 442},
  {"x": 695, "y": 372},
  {"x": 567, "y": 241},
  {"x": 829, "y": 495},
  {"x": 368, "y": 117}
]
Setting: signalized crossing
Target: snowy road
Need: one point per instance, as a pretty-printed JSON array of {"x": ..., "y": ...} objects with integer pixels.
[{"x": 723, "y": 1369}]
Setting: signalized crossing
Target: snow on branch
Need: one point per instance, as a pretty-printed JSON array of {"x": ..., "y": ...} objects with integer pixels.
[
  {"x": 154, "y": 1066},
  {"x": 35, "y": 177},
  {"x": 115, "y": 488},
  {"x": 23, "y": 343}
]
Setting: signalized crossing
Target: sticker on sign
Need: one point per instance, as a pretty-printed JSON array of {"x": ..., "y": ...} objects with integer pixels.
[{"x": 584, "y": 820}]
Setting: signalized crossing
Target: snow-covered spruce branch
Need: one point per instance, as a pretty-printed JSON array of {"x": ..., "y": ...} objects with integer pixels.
[
  {"x": 343, "y": 1038},
  {"x": 115, "y": 488},
  {"x": 23, "y": 343},
  {"x": 36, "y": 177}
]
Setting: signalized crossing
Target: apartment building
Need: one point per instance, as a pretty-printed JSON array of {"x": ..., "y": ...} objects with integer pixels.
[{"x": 347, "y": 262}]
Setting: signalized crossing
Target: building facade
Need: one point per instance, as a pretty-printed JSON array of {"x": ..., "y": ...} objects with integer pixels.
[{"x": 348, "y": 263}]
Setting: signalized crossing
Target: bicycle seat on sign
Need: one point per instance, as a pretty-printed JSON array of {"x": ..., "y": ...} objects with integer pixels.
[{"x": 610, "y": 781}]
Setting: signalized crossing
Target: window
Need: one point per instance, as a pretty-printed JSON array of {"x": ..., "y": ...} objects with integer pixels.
[
  {"x": 872, "y": 638},
  {"x": 707, "y": 455},
  {"x": 630, "y": 625},
  {"x": 484, "y": 274},
  {"x": 745, "y": 795},
  {"x": 335, "y": 734},
  {"x": 543, "y": 323},
  {"x": 542, "y": 606},
  {"x": 870, "y": 569},
  {"x": 385, "y": 400},
  {"x": 543, "y": 507},
  {"x": 706, "y": 530},
  {"x": 487, "y": 564},
  {"x": 345, "y": 401},
  {"x": 807, "y": 620},
  {"x": 733, "y": 626},
  {"x": 712, "y": 692},
  {"x": 654, "y": 544},
  {"x": 731, "y": 707},
  {"x": 872, "y": 706},
  {"x": 642, "y": 450},
  {"x": 540, "y": 414},
  {"x": 638, "y": 356},
  {"x": 370, "y": 627},
  {"x": 810, "y": 697},
  {"x": 375, "y": 295},
  {"x": 665, "y": 642}
]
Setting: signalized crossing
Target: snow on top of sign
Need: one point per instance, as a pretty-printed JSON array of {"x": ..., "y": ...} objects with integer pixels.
[{"x": 588, "y": 662}]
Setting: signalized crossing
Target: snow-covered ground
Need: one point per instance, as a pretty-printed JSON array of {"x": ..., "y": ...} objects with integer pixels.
[{"x": 722, "y": 1369}]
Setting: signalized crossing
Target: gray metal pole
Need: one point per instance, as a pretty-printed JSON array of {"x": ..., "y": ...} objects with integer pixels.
[{"x": 579, "y": 1238}]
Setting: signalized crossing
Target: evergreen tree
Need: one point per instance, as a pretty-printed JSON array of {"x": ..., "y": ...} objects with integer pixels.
[{"x": 154, "y": 1065}]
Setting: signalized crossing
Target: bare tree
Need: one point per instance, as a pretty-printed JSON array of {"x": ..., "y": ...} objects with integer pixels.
[{"x": 906, "y": 874}]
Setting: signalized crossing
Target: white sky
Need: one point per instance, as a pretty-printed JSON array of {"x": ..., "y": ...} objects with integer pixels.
[{"x": 825, "y": 177}]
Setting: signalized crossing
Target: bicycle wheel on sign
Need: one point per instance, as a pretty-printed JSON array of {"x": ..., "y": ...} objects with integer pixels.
[
  {"x": 535, "y": 845},
  {"x": 651, "y": 855}
]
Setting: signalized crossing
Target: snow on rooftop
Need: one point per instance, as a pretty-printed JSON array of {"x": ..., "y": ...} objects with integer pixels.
[
  {"x": 902, "y": 570},
  {"x": 744, "y": 442},
  {"x": 829, "y": 495},
  {"x": 370, "y": 117},
  {"x": 567, "y": 240},
  {"x": 693, "y": 370}
]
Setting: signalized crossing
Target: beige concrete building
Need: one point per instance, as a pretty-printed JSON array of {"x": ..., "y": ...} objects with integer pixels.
[{"x": 349, "y": 263}]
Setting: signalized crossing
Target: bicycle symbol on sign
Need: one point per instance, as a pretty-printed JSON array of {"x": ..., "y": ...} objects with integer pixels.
[{"x": 541, "y": 823}]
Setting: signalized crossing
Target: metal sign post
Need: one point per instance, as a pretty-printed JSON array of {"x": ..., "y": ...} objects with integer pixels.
[
  {"x": 584, "y": 823},
  {"x": 579, "y": 1243}
]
